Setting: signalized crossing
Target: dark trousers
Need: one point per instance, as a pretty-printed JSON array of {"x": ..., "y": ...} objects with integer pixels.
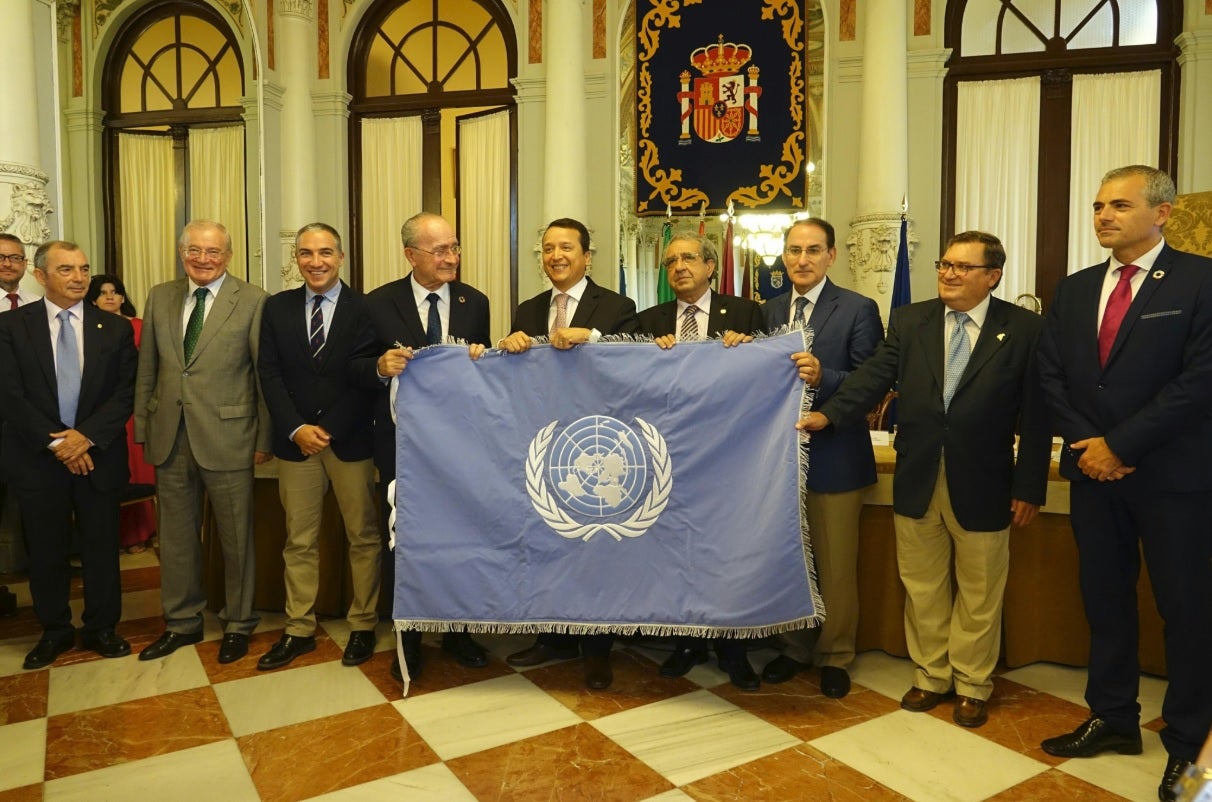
[
  {"x": 1113, "y": 522},
  {"x": 591, "y": 645}
]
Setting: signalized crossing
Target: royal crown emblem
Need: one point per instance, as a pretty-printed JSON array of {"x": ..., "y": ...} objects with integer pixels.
[{"x": 720, "y": 100}]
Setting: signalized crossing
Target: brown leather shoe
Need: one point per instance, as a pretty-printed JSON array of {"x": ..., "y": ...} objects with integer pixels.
[
  {"x": 920, "y": 701},
  {"x": 598, "y": 675},
  {"x": 970, "y": 712}
]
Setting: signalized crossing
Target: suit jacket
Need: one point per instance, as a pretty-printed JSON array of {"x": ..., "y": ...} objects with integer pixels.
[
  {"x": 846, "y": 329},
  {"x": 727, "y": 312},
  {"x": 216, "y": 392},
  {"x": 1151, "y": 401},
  {"x": 394, "y": 318},
  {"x": 336, "y": 392},
  {"x": 998, "y": 393},
  {"x": 599, "y": 308},
  {"x": 30, "y": 397}
]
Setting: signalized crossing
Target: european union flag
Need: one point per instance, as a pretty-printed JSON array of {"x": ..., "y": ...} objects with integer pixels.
[{"x": 603, "y": 488}]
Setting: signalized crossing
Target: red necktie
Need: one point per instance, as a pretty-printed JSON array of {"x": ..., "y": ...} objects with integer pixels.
[
  {"x": 12, "y": 300},
  {"x": 1113, "y": 315}
]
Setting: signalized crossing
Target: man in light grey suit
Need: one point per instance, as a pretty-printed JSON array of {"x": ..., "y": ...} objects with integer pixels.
[{"x": 204, "y": 424}]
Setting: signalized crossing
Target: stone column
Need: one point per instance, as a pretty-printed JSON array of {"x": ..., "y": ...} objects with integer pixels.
[
  {"x": 565, "y": 193},
  {"x": 296, "y": 63},
  {"x": 883, "y": 150}
]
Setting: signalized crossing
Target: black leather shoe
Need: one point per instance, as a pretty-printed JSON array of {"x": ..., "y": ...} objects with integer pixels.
[
  {"x": 1174, "y": 770},
  {"x": 540, "y": 653},
  {"x": 412, "y": 656},
  {"x": 681, "y": 661},
  {"x": 466, "y": 651},
  {"x": 1092, "y": 737},
  {"x": 781, "y": 669},
  {"x": 46, "y": 650},
  {"x": 598, "y": 674},
  {"x": 835, "y": 682},
  {"x": 286, "y": 649},
  {"x": 168, "y": 643},
  {"x": 105, "y": 642},
  {"x": 234, "y": 646},
  {"x": 361, "y": 647},
  {"x": 741, "y": 674}
]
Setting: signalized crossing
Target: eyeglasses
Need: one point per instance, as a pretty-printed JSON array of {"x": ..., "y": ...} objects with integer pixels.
[
  {"x": 442, "y": 252},
  {"x": 961, "y": 269},
  {"x": 194, "y": 252},
  {"x": 688, "y": 258},
  {"x": 15, "y": 259},
  {"x": 813, "y": 252}
]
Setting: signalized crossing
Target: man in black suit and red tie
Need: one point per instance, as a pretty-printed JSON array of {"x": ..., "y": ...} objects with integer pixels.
[
  {"x": 1126, "y": 361},
  {"x": 426, "y": 307},
  {"x": 317, "y": 370},
  {"x": 696, "y": 314},
  {"x": 67, "y": 383},
  {"x": 575, "y": 310}
]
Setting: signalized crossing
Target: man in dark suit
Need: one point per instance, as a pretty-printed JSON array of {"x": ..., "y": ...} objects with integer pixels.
[
  {"x": 67, "y": 374},
  {"x": 965, "y": 368},
  {"x": 575, "y": 310},
  {"x": 846, "y": 328},
  {"x": 1126, "y": 361},
  {"x": 696, "y": 314},
  {"x": 425, "y": 307},
  {"x": 202, "y": 420},
  {"x": 317, "y": 370}
]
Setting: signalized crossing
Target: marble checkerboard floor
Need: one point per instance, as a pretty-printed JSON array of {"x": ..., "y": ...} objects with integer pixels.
[{"x": 186, "y": 728}]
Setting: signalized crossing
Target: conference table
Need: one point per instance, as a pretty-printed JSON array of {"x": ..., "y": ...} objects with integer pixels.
[{"x": 1043, "y": 618}]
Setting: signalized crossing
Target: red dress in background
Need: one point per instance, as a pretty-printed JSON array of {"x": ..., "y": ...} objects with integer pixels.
[{"x": 138, "y": 521}]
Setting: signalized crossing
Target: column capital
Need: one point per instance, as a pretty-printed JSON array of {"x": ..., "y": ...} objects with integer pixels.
[
  {"x": 84, "y": 119},
  {"x": 301, "y": 9},
  {"x": 871, "y": 252},
  {"x": 331, "y": 104},
  {"x": 18, "y": 170},
  {"x": 1193, "y": 46}
]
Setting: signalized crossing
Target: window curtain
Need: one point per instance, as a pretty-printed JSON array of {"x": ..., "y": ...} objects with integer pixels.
[
  {"x": 1100, "y": 143},
  {"x": 996, "y": 180},
  {"x": 147, "y": 193},
  {"x": 484, "y": 227},
  {"x": 391, "y": 193},
  {"x": 217, "y": 186}
]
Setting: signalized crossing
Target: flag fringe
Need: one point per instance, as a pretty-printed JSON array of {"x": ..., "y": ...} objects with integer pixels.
[{"x": 581, "y": 628}]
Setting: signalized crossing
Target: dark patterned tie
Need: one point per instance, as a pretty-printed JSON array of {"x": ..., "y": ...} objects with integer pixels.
[
  {"x": 1113, "y": 316},
  {"x": 317, "y": 327},
  {"x": 433, "y": 331},
  {"x": 13, "y": 300},
  {"x": 193, "y": 329},
  {"x": 67, "y": 370},
  {"x": 798, "y": 321},
  {"x": 690, "y": 324}
]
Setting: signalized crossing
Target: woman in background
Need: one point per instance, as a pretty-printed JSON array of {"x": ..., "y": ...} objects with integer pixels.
[{"x": 138, "y": 522}]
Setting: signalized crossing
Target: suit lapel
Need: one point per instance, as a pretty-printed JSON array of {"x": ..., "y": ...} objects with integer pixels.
[
  {"x": 825, "y": 306},
  {"x": 717, "y": 318},
  {"x": 340, "y": 328},
  {"x": 37, "y": 329},
  {"x": 406, "y": 306},
  {"x": 589, "y": 302},
  {"x": 931, "y": 340},
  {"x": 176, "y": 328},
  {"x": 780, "y": 310},
  {"x": 1151, "y": 282},
  {"x": 993, "y": 336},
  {"x": 539, "y": 314},
  {"x": 222, "y": 308}
]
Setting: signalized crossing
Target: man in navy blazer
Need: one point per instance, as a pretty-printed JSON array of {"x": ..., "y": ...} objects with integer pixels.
[
  {"x": 1126, "y": 360},
  {"x": 573, "y": 311},
  {"x": 958, "y": 484},
  {"x": 695, "y": 314},
  {"x": 846, "y": 328},
  {"x": 427, "y": 306},
  {"x": 317, "y": 370},
  {"x": 67, "y": 386}
]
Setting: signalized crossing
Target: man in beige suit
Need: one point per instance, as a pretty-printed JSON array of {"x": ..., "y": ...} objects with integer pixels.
[{"x": 204, "y": 424}]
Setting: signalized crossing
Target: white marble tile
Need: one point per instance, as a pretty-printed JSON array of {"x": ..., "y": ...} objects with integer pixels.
[
  {"x": 705, "y": 675},
  {"x": 1130, "y": 776},
  {"x": 434, "y": 783},
  {"x": 22, "y": 753},
  {"x": 144, "y": 559},
  {"x": 12, "y": 654},
  {"x": 693, "y": 736},
  {"x": 883, "y": 673},
  {"x": 1065, "y": 682},
  {"x": 470, "y": 718},
  {"x": 338, "y": 630},
  {"x": 276, "y": 699},
  {"x": 141, "y": 604},
  {"x": 106, "y": 682},
  {"x": 675, "y": 795},
  {"x": 928, "y": 759},
  {"x": 202, "y": 774}
]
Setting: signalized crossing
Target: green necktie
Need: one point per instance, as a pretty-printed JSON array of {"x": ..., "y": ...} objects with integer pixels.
[{"x": 193, "y": 329}]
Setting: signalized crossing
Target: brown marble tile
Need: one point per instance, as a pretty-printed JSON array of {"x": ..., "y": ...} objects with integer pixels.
[
  {"x": 378, "y": 670},
  {"x": 921, "y": 17},
  {"x": 1156, "y": 725},
  {"x": 20, "y": 625},
  {"x": 1055, "y": 786},
  {"x": 571, "y": 763},
  {"x": 23, "y": 696},
  {"x": 1021, "y": 717},
  {"x": 327, "y": 754},
  {"x": 146, "y": 578},
  {"x": 106, "y": 736},
  {"x": 636, "y": 683},
  {"x": 26, "y": 793},
  {"x": 439, "y": 671},
  {"x": 599, "y": 28},
  {"x": 846, "y": 23},
  {"x": 322, "y": 36},
  {"x": 258, "y": 644},
  {"x": 534, "y": 31},
  {"x": 799, "y": 708},
  {"x": 799, "y": 774}
]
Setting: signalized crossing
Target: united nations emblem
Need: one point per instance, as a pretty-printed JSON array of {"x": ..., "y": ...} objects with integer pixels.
[{"x": 599, "y": 468}]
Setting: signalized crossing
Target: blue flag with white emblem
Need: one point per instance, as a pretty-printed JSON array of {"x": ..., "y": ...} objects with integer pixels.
[{"x": 613, "y": 486}]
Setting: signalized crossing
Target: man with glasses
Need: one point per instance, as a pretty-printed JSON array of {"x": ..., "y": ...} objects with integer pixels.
[
  {"x": 846, "y": 328},
  {"x": 203, "y": 423},
  {"x": 696, "y": 314},
  {"x": 964, "y": 364},
  {"x": 426, "y": 307},
  {"x": 12, "y": 270}
]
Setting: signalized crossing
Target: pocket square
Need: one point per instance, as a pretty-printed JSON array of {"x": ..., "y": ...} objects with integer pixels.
[{"x": 1167, "y": 313}]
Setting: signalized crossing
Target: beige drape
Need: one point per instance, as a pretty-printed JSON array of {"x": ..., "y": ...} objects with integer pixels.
[
  {"x": 216, "y": 187},
  {"x": 147, "y": 191},
  {"x": 391, "y": 193},
  {"x": 484, "y": 212}
]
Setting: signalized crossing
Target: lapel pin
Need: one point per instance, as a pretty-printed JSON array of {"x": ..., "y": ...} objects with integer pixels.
[
  {"x": 1159, "y": 273},
  {"x": 1001, "y": 336},
  {"x": 98, "y": 325}
]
